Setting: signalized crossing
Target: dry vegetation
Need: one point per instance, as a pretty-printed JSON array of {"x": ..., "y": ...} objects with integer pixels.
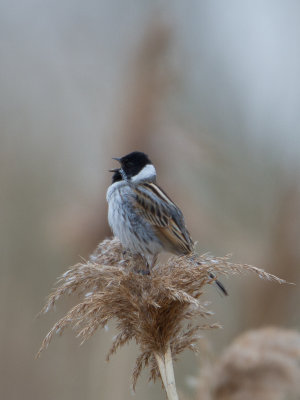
[
  {"x": 262, "y": 364},
  {"x": 159, "y": 311}
]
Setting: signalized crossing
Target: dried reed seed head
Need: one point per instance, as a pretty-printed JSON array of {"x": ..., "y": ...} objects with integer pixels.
[
  {"x": 151, "y": 309},
  {"x": 261, "y": 364}
]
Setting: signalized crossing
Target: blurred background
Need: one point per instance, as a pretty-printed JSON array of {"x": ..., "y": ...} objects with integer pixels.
[{"x": 211, "y": 92}]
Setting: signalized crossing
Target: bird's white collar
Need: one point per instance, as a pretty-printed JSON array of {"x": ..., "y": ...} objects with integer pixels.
[{"x": 148, "y": 173}]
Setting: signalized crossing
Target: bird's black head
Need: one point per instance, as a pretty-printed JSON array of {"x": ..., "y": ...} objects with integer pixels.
[{"x": 133, "y": 163}]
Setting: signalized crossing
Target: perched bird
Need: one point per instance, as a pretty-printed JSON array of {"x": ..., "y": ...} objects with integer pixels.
[{"x": 142, "y": 216}]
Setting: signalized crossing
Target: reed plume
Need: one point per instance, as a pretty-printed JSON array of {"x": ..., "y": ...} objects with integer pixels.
[
  {"x": 261, "y": 364},
  {"x": 158, "y": 311}
]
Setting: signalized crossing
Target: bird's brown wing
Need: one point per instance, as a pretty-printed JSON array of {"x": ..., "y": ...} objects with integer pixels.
[{"x": 165, "y": 217}]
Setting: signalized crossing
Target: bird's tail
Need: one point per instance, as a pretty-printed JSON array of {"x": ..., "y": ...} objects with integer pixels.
[{"x": 220, "y": 285}]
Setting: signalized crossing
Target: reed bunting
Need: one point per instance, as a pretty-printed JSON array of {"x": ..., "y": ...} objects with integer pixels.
[{"x": 142, "y": 216}]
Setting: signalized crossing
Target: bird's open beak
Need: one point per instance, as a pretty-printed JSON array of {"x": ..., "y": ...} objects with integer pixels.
[{"x": 115, "y": 169}]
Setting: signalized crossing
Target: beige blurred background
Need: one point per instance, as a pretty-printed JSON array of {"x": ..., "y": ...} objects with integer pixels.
[{"x": 211, "y": 92}]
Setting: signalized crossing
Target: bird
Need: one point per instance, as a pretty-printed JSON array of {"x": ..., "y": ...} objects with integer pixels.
[{"x": 142, "y": 216}]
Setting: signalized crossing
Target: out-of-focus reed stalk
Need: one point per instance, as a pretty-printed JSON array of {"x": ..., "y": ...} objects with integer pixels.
[{"x": 159, "y": 311}]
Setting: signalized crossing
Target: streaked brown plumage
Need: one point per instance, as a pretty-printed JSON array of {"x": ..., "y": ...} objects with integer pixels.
[{"x": 169, "y": 226}]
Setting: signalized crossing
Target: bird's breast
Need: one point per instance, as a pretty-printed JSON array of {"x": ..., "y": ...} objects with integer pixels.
[{"x": 127, "y": 224}]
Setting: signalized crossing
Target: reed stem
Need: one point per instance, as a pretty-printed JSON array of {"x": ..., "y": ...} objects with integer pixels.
[
  {"x": 170, "y": 374},
  {"x": 165, "y": 365},
  {"x": 162, "y": 368}
]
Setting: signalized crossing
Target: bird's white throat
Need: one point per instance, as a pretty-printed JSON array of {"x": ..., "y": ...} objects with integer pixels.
[{"x": 146, "y": 174}]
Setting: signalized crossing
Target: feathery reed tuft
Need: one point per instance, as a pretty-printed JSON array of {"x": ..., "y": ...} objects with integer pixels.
[
  {"x": 158, "y": 311},
  {"x": 262, "y": 364}
]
